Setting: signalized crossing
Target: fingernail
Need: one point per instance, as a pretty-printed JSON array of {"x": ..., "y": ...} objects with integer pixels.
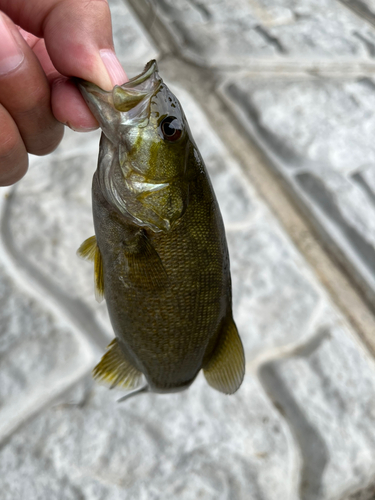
[
  {"x": 11, "y": 54},
  {"x": 113, "y": 67},
  {"x": 81, "y": 129}
]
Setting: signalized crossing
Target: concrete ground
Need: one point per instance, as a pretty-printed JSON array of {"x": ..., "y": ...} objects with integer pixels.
[{"x": 280, "y": 97}]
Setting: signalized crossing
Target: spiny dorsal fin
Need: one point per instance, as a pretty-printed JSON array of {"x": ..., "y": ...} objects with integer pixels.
[
  {"x": 89, "y": 250},
  {"x": 114, "y": 369},
  {"x": 145, "y": 266},
  {"x": 226, "y": 368}
]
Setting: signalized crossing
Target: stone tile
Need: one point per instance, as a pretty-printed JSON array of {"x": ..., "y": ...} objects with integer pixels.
[
  {"x": 319, "y": 135},
  {"x": 328, "y": 122},
  {"x": 133, "y": 45},
  {"x": 49, "y": 216},
  {"x": 275, "y": 300},
  {"x": 325, "y": 389},
  {"x": 190, "y": 445},
  {"x": 221, "y": 33},
  {"x": 40, "y": 354}
]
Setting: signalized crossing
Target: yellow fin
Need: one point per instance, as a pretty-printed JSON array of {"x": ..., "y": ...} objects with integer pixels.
[
  {"x": 89, "y": 250},
  {"x": 114, "y": 369},
  {"x": 225, "y": 369},
  {"x": 98, "y": 275}
]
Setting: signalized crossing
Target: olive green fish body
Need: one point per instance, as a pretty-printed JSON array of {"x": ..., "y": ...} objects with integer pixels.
[{"x": 161, "y": 256}]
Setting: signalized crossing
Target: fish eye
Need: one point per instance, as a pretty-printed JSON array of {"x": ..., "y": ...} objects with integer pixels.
[{"x": 170, "y": 128}]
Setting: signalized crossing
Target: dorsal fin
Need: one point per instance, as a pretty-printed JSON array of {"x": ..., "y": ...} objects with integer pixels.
[
  {"x": 115, "y": 370},
  {"x": 89, "y": 250},
  {"x": 225, "y": 369}
]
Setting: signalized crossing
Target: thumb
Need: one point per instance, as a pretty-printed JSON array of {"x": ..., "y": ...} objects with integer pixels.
[{"x": 78, "y": 36}]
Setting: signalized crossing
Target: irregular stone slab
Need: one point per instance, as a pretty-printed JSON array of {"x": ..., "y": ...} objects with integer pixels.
[
  {"x": 221, "y": 33},
  {"x": 40, "y": 354},
  {"x": 325, "y": 389},
  {"x": 275, "y": 300},
  {"x": 132, "y": 43},
  {"x": 319, "y": 135},
  {"x": 196, "y": 444},
  {"x": 47, "y": 217}
]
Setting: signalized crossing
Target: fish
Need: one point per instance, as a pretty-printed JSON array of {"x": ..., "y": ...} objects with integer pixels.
[{"x": 160, "y": 253}]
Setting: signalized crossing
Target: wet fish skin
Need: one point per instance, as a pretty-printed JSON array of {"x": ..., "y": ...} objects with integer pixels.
[{"x": 161, "y": 252}]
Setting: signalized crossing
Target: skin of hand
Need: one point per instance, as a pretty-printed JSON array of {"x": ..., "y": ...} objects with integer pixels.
[{"x": 42, "y": 44}]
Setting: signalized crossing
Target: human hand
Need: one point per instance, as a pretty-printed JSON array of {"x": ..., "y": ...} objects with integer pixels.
[{"x": 58, "y": 39}]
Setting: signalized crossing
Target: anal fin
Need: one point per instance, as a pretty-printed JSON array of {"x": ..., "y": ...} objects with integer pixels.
[
  {"x": 225, "y": 369},
  {"x": 115, "y": 370},
  {"x": 89, "y": 250}
]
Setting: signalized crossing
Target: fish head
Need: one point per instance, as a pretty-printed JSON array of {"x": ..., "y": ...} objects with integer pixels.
[{"x": 143, "y": 163}]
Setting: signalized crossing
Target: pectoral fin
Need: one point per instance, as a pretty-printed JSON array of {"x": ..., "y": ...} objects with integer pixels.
[
  {"x": 225, "y": 369},
  {"x": 145, "y": 266},
  {"x": 115, "y": 370},
  {"x": 89, "y": 250}
]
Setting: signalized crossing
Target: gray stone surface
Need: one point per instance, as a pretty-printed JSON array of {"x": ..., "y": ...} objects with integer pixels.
[
  {"x": 40, "y": 354},
  {"x": 132, "y": 43},
  {"x": 325, "y": 389},
  {"x": 301, "y": 426},
  {"x": 222, "y": 33},
  {"x": 319, "y": 136},
  {"x": 55, "y": 197},
  {"x": 189, "y": 445}
]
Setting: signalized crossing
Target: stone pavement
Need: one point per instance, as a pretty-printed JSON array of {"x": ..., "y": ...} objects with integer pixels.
[{"x": 280, "y": 99}]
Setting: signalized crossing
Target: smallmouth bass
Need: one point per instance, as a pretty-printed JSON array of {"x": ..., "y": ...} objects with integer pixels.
[{"x": 160, "y": 253}]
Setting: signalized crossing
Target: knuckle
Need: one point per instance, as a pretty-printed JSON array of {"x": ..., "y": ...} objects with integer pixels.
[
  {"x": 13, "y": 165},
  {"x": 13, "y": 155},
  {"x": 46, "y": 140},
  {"x": 9, "y": 143}
]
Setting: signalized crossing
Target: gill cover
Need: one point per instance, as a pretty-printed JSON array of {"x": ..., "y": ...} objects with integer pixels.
[{"x": 144, "y": 149}]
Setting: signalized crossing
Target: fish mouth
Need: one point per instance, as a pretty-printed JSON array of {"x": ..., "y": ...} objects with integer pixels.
[
  {"x": 150, "y": 70},
  {"x": 124, "y": 98}
]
